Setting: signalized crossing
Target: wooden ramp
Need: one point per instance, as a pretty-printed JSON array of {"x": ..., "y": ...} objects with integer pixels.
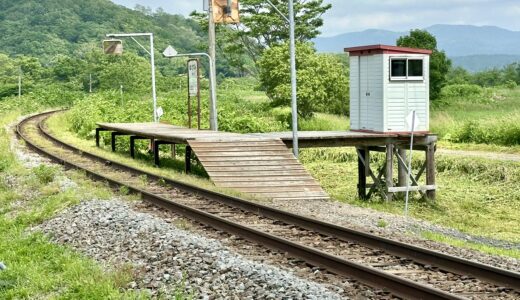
[{"x": 259, "y": 166}]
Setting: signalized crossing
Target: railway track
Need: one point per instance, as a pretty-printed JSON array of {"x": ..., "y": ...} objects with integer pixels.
[{"x": 404, "y": 270}]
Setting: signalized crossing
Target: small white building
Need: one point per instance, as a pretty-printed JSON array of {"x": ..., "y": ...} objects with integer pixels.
[{"x": 386, "y": 84}]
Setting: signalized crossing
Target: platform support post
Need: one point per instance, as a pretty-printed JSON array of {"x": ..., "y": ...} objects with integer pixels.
[
  {"x": 430, "y": 169},
  {"x": 174, "y": 151},
  {"x": 402, "y": 173},
  {"x": 156, "y": 153},
  {"x": 132, "y": 146},
  {"x": 362, "y": 175},
  {"x": 113, "y": 141},
  {"x": 187, "y": 160},
  {"x": 98, "y": 130},
  {"x": 389, "y": 170}
]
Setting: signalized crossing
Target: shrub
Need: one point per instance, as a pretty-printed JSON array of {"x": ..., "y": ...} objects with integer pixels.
[
  {"x": 322, "y": 81},
  {"x": 467, "y": 92},
  {"x": 45, "y": 174},
  {"x": 503, "y": 130}
]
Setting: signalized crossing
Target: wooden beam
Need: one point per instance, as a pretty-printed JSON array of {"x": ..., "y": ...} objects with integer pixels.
[
  {"x": 401, "y": 168},
  {"x": 362, "y": 177},
  {"x": 187, "y": 160},
  {"x": 430, "y": 170},
  {"x": 389, "y": 175},
  {"x": 98, "y": 130},
  {"x": 415, "y": 188},
  {"x": 415, "y": 182}
]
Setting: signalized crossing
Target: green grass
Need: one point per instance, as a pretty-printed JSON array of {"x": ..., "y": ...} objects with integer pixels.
[
  {"x": 324, "y": 122},
  {"x": 491, "y": 122},
  {"x": 37, "y": 268},
  {"x": 515, "y": 253},
  {"x": 476, "y": 196}
]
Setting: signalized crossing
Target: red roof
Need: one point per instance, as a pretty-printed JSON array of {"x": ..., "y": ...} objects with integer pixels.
[{"x": 378, "y": 49}]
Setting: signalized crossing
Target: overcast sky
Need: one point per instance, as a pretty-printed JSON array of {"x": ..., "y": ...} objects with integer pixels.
[{"x": 396, "y": 15}]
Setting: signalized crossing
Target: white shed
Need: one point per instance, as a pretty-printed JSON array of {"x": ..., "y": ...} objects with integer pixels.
[{"x": 386, "y": 84}]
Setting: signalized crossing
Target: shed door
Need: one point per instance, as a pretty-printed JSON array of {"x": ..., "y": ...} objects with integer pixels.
[{"x": 364, "y": 93}]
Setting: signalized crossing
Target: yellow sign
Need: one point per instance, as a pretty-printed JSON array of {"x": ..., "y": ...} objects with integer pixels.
[
  {"x": 113, "y": 47},
  {"x": 224, "y": 14}
]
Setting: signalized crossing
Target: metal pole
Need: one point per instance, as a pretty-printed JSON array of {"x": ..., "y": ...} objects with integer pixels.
[
  {"x": 293, "y": 81},
  {"x": 154, "y": 93},
  {"x": 409, "y": 166},
  {"x": 213, "y": 125}
]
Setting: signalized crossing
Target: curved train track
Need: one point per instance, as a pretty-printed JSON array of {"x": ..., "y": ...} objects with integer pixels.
[{"x": 404, "y": 270}]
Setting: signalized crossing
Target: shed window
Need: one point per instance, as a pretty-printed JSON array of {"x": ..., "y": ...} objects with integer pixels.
[
  {"x": 398, "y": 67},
  {"x": 406, "y": 69}
]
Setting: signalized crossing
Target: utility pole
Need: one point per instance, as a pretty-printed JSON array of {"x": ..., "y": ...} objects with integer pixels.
[
  {"x": 294, "y": 104},
  {"x": 213, "y": 73},
  {"x": 293, "y": 81},
  {"x": 154, "y": 92}
]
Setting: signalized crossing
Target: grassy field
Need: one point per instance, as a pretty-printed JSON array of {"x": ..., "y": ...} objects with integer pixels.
[
  {"x": 475, "y": 196},
  {"x": 479, "y": 197},
  {"x": 37, "y": 268}
]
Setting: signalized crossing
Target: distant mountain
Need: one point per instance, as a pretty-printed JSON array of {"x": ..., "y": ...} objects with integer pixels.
[
  {"x": 475, "y": 63},
  {"x": 457, "y": 40}
]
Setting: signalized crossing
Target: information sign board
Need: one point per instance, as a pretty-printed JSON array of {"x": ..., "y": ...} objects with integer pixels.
[{"x": 193, "y": 77}]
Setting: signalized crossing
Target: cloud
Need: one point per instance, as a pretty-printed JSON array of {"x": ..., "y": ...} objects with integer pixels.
[{"x": 402, "y": 15}]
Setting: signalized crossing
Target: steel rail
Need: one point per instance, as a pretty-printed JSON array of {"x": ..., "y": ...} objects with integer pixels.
[
  {"x": 396, "y": 285},
  {"x": 422, "y": 255},
  {"x": 371, "y": 276}
]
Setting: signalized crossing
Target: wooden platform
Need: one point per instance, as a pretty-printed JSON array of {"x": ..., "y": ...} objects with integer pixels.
[
  {"x": 259, "y": 165},
  {"x": 262, "y": 164},
  {"x": 262, "y": 167}
]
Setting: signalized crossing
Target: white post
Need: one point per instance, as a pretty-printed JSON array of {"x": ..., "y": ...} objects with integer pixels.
[
  {"x": 213, "y": 125},
  {"x": 90, "y": 83},
  {"x": 409, "y": 166},
  {"x": 121, "y": 91},
  {"x": 154, "y": 93},
  {"x": 293, "y": 80}
]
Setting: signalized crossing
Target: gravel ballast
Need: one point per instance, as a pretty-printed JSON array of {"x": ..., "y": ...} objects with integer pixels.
[
  {"x": 165, "y": 257},
  {"x": 400, "y": 228}
]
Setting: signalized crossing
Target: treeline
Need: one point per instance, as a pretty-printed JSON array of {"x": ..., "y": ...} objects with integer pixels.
[{"x": 508, "y": 76}]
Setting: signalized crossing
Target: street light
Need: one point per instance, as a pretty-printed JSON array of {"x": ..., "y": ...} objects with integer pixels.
[
  {"x": 170, "y": 52},
  {"x": 152, "y": 61},
  {"x": 294, "y": 105}
]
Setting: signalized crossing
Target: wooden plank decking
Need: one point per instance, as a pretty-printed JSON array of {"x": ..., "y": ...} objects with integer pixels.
[{"x": 262, "y": 167}]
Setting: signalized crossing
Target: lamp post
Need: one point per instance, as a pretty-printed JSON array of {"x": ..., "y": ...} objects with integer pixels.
[
  {"x": 292, "y": 50},
  {"x": 152, "y": 61},
  {"x": 170, "y": 52}
]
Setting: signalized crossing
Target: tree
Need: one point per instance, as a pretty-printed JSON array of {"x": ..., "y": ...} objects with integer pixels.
[
  {"x": 327, "y": 92},
  {"x": 439, "y": 62},
  {"x": 261, "y": 27}
]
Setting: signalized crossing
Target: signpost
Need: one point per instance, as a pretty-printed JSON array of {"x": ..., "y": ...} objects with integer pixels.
[
  {"x": 225, "y": 11},
  {"x": 114, "y": 47},
  {"x": 193, "y": 88},
  {"x": 413, "y": 121},
  {"x": 213, "y": 124}
]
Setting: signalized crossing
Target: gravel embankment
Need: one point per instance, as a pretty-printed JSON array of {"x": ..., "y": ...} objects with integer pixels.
[
  {"x": 164, "y": 256},
  {"x": 397, "y": 228}
]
